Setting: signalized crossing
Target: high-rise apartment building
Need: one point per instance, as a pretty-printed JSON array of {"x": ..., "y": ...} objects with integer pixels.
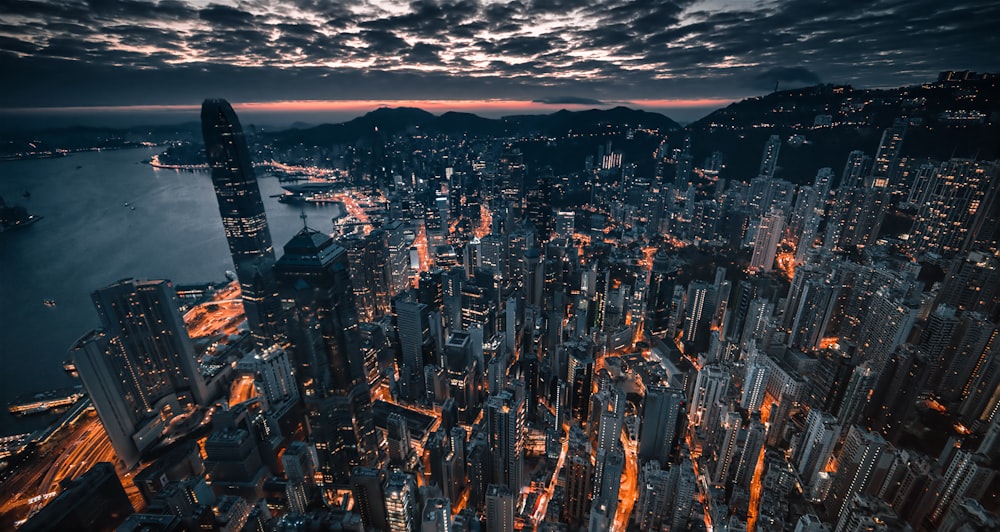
[
  {"x": 769, "y": 159},
  {"x": 401, "y": 510},
  {"x": 957, "y": 198},
  {"x": 765, "y": 244},
  {"x": 141, "y": 367},
  {"x": 499, "y": 508},
  {"x": 863, "y": 462}
]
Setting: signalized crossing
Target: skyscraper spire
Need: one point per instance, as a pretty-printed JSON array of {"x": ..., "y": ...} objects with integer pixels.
[{"x": 243, "y": 217}]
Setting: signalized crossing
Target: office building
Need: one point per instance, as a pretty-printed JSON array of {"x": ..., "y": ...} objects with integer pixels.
[
  {"x": 505, "y": 419},
  {"x": 663, "y": 419},
  {"x": 243, "y": 218},
  {"x": 401, "y": 512}
]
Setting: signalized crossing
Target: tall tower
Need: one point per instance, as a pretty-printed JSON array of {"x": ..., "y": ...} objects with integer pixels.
[
  {"x": 812, "y": 453},
  {"x": 366, "y": 488},
  {"x": 958, "y": 197},
  {"x": 662, "y": 280},
  {"x": 322, "y": 324},
  {"x": 858, "y": 166},
  {"x": 710, "y": 388},
  {"x": 414, "y": 331},
  {"x": 888, "y": 154},
  {"x": 368, "y": 256},
  {"x": 968, "y": 475},
  {"x": 243, "y": 218}
]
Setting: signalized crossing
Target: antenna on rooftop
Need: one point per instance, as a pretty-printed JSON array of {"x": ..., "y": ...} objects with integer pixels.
[{"x": 302, "y": 214}]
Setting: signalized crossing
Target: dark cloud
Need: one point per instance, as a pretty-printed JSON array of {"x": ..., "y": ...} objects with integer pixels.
[
  {"x": 383, "y": 42},
  {"x": 16, "y": 45},
  {"x": 129, "y": 50},
  {"x": 226, "y": 16},
  {"x": 424, "y": 53}
]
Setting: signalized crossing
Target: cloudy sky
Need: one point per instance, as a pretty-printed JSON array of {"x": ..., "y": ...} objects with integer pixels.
[{"x": 60, "y": 53}]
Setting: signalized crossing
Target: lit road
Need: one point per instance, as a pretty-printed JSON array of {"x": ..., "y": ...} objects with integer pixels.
[
  {"x": 629, "y": 492},
  {"x": 80, "y": 447},
  {"x": 242, "y": 390},
  {"x": 312, "y": 171},
  {"x": 755, "y": 484},
  {"x": 354, "y": 210},
  {"x": 544, "y": 498},
  {"x": 224, "y": 317},
  {"x": 704, "y": 494}
]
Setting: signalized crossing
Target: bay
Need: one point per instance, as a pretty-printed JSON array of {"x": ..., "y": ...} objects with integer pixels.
[{"x": 88, "y": 238}]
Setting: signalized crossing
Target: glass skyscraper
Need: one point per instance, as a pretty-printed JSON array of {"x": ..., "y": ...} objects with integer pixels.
[{"x": 243, "y": 217}]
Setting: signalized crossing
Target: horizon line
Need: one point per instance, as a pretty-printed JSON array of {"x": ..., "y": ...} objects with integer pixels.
[{"x": 358, "y": 105}]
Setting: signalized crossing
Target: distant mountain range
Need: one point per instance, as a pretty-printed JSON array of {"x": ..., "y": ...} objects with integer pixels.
[
  {"x": 392, "y": 121},
  {"x": 952, "y": 116}
]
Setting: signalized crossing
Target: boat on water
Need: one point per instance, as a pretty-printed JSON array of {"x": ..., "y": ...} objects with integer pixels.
[
  {"x": 37, "y": 403},
  {"x": 49, "y": 302},
  {"x": 70, "y": 367}
]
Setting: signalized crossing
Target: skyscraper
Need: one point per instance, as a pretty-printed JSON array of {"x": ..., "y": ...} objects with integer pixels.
[
  {"x": 141, "y": 366},
  {"x": 157, "y": 356},
  {"x": 401, "y": 510},
  {"x": 661, "y": 292},
  {"x": 813, "y": 451},
  {"x": 366, "y": 488},
  {"x": 94, "y": 355},
  {"x": 243, "y": 218},
  {"x": 662, "y": 420},
  {"x": 862, "y": 465},
  {"x": 413, "y": 329},
  {"x": 368, "y": 256},
  {"x": 858, "y": 166},
  {"x": 505, "y": 420},
  {"x": 710, "y": 388},
  {"x": 322, "y": 324},
  {"x": 957, "y": 198},
  {"x": 765, "y": 244},
  {"x": 888, "y": 154}
]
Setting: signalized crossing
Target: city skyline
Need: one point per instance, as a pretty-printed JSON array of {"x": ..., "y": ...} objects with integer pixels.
[{"x": 254, "y": 315}]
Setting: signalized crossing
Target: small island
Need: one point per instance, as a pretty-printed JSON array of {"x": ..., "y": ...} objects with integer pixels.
[{"x": 15, "y": 216}]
